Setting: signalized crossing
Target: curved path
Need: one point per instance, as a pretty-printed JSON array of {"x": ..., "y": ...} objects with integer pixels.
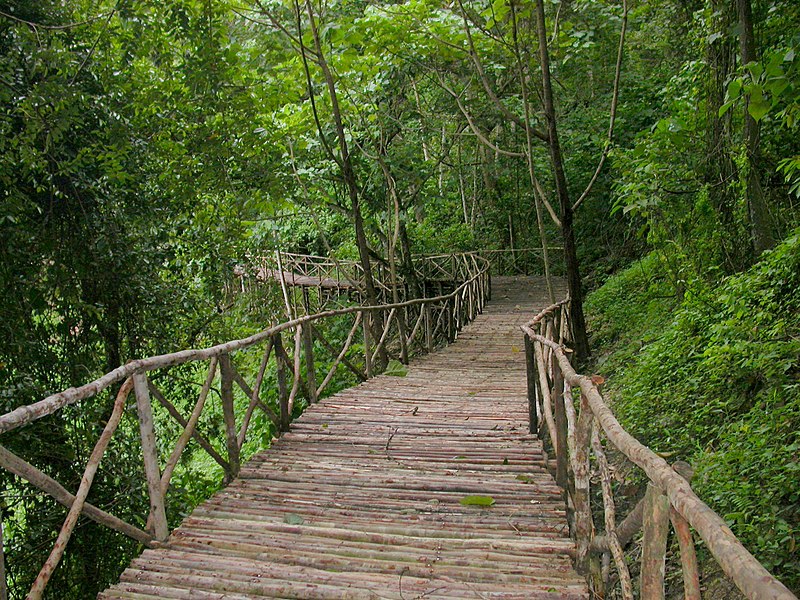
[{"x": 363, "y": 498}]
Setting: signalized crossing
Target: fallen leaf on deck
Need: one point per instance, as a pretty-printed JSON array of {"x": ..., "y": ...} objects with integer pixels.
[
  {"x": 293, "y": 519},
  {"x": 477, "y": 501}
]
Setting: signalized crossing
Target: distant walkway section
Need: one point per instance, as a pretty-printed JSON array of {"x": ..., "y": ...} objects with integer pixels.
[{"x": 422, "y": 486}]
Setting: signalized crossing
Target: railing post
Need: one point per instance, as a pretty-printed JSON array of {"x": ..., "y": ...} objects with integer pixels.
[
  {"x": 532, "y": 374},
  {"x": 584, "y": 527},
  {"x": 400, "y": 315},
  {"x": 562, "y": 458},
  {"x": 470, "y": 300},
  {"x": 654, "y": 542},
  {"x": 367, "y": 322},
  {"x": 457, "y": 314},
  {"x": 426, "y": 307},
  {"x": 450, "y": 318},
  {"x": 311, "y": 373},
  {"x": 3, "y": 586},
  {"x": 150, "y": 455},
  {"x": 229, "y": 415},
  {"x": 691, "y": 574},
  {"x": 283, "y": 392}
]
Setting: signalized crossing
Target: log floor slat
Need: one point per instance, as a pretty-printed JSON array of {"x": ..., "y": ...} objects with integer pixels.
[{"x": 362, "y": 498}]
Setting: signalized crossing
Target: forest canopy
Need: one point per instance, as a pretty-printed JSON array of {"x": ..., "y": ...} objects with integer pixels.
[{"x": 148, "y": 148}]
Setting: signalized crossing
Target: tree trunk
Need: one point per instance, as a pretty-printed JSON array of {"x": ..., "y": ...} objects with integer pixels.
[
  {"x": 409, "y": 274},
  {"x": 760, "y": 226},
  {"x": 346, "y": 164},
  {"x": 719, "y": 170},
  {"x": 580, "y": 339}
]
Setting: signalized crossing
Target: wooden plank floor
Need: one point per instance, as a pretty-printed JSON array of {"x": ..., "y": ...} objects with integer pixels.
[{"x": 361, "y": 499}]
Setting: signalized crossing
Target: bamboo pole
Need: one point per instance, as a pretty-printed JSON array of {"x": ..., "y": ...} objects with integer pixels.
[
  {"x": 296, "y": 377},
  {"x": 382, "y": 341},
  {"x": 584, "y": 528},
  {"x": 449, "y": 321},
  {"x": 441, "y": 323},
  {"x": 255, "y": 397},
  {"x": 39, "y": 584},
  {"x": 544, "y": 389},
  {"x": 400, "y": 318},
  {"x": 414, "y": 330},
  {"x": 531, "y": 375},
  {"x": 560, "y": 441}
]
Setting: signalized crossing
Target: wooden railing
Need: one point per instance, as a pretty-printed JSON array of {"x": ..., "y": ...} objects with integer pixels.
[
  {"x": 324, "y": 273},
  {"x": 574, "y": 428},
  {"x": 430, "y": 322},
  {"x": 524, "y": 261}
]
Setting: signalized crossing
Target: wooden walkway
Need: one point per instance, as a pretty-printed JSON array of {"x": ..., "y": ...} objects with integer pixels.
[{"x": 362, "y": 498}]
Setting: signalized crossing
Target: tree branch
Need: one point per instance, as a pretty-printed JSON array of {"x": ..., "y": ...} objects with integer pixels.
[
  {"x": 612, "y": 110},
  {"x": 472, "y": 125},
  {"x": 33, "y": 25},
  {"x": 487, "y": 86},
  {"x": 309, "y": 83}
]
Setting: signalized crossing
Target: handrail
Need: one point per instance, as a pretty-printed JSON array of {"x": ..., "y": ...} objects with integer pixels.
[
  {"x": 328, "y": 276},
  {"x": 518, "y": 261},
  {"x": 574, "y": 434},
  {"x": 421, "y": 324}
]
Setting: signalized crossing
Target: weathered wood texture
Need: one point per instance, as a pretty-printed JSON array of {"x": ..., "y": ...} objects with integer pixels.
[{"x": 362, "y": 498}]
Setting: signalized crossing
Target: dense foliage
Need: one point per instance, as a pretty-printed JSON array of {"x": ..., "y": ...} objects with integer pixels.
[
  {"x": 147, "y": 149},
  {"x": 714, "y": 379}
]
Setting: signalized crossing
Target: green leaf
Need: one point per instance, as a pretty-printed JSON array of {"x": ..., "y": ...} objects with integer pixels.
[
  {"x": 477, "y": 501},
  {"x": 777, "y": 86},
  {"x": 293, "y": 519},
  {"x": 758, "y": 106},
  {"x": 396, "y": 369},
  {"x": 734, "y": 89},
  {"x": 724, "y": 108},
  {"x": 756, "y": 69}
]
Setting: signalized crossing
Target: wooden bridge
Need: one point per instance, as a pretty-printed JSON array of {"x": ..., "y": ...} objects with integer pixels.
[
  {"x": 429, "y": 481},
  {"x": 362, "y": 499}
]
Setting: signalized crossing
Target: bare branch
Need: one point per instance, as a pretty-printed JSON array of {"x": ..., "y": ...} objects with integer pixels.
[
  {"x": 33, "y": 25},
  {"x": 487, "y": 86},
  {"x": 310, "y": 85},
  {"x": 94, "y": 46},
  {"x": 613, "y": 109},
  {"x": 472, "y": 125},
  {"x": 273, "y": 22}
]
